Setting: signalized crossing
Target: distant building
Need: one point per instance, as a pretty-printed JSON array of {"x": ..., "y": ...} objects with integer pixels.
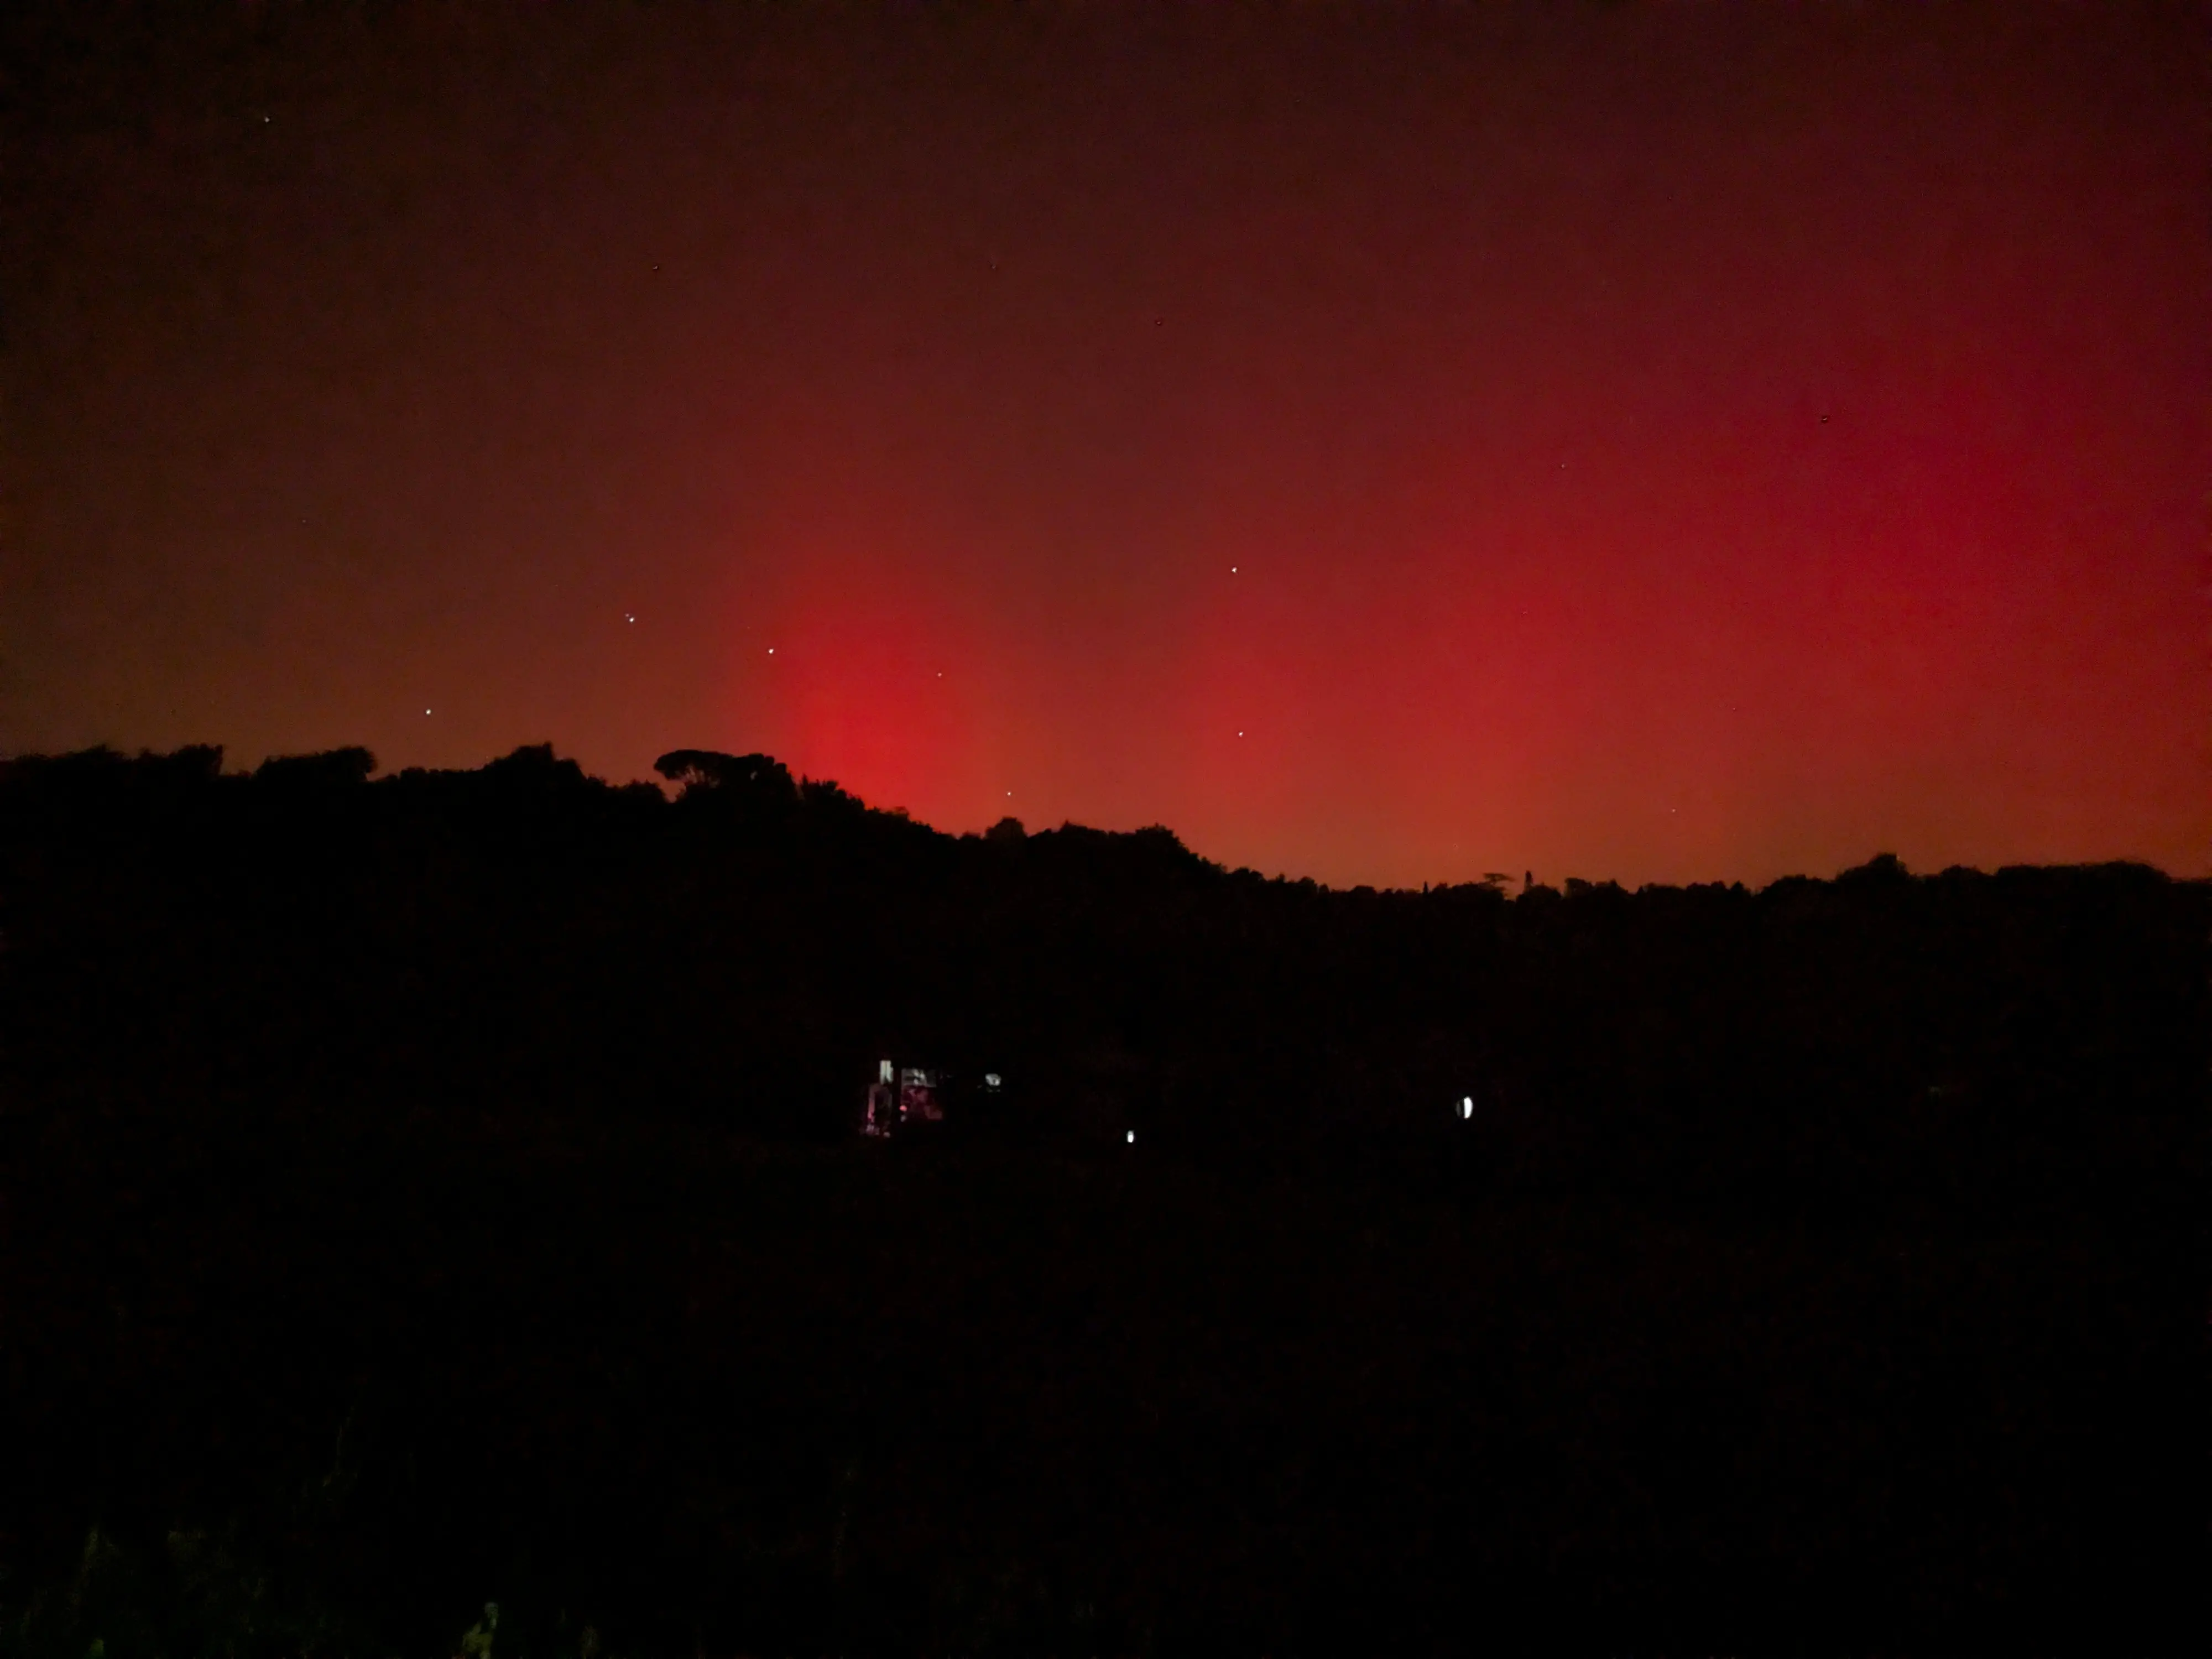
[{"x": 902, "y": 1096}]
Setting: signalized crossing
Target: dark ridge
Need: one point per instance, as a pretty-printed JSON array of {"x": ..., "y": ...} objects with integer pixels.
[{"x": 437, "y": 1188}]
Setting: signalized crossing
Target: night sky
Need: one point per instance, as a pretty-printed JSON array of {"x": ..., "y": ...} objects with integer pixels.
[{"x": 1667, "y": 442}]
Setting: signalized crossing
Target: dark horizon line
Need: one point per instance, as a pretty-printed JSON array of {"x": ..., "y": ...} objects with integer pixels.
[{"x": 361, "y": 761}]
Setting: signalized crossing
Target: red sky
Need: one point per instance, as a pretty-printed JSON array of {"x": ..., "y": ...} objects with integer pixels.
[{"x": 1384, "y": 444}]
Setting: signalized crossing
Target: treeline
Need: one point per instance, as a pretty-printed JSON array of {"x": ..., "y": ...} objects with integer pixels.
[
  {"x": 525, "y": 939},
  {"x": 492, "y": 1121}
]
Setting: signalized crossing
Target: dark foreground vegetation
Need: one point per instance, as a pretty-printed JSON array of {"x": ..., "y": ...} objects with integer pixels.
[{"x": 442, "y": 1190}]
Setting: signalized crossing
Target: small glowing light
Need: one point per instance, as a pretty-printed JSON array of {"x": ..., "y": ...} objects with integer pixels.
[
  {"x": 426, "y": 711},
  {"x": 771, "y": 651},
  {"x": 1467, "y": 1106},
  {"x": 628, "y": 617},
  {"x": 990, "y": 1080},
  {"x": 1131, "y": 1138}
]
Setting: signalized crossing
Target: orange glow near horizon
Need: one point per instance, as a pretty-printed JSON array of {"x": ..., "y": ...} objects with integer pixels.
[{"x": 1645, "y": 443}]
